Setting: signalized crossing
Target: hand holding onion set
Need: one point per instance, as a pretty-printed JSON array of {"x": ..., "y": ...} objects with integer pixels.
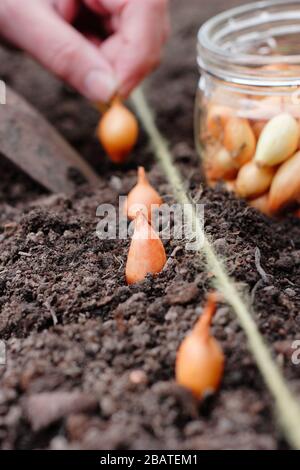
[{"x": 200, "y": 360}]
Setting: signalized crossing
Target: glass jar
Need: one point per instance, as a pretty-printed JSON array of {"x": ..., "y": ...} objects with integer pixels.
[{"x": 247, "y": 120}]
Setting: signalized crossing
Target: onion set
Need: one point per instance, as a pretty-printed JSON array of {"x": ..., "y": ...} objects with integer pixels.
[
  {"x": 221, "y": 165},
  {"x": 253, "y": 181},
  {"x": 143, "y": 197},
  {"x": 239, "y": 139},
  {"x": 285, "y": 188},
  {"x": 278, "y": 141},
  {"x": 146, "y": 253},
  {"x": 118, "y": 131},
  {"x": 200, "y": 360}
]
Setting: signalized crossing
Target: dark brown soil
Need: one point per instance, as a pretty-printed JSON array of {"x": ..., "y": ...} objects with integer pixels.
[{"x": 90, "y": 360}]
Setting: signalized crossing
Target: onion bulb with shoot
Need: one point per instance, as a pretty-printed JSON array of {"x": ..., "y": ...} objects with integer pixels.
[
  {"x": 146, "y": 253},
  {"x": 142, "y": 197},
  {"x": 200, "y": 359},
  {"x": 118, "y": 131}
]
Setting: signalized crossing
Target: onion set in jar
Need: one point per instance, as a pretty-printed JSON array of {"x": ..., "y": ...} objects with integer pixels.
[
  {"x": 278, "y": 140},
  {"x": 247, "y": 118},
  {"x": 253, "y": 181},
  {"x": 285, "y": 188},
  {"x": 239, "y": 140},
  {"x": 266, "y": 172}
]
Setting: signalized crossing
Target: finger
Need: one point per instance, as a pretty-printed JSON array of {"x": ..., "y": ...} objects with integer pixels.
[
  {"x": 60, "y": 48},
  {"x": 96, "y": 6},
  {"x": 136, "y": 48},
  {"x": 93, "y": 39},
  {"x": 106, "y": 6},
  {"x": 67, "y": 9}
]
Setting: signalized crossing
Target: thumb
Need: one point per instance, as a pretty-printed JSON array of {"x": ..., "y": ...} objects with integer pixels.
[{"x": 59, "y": 47}]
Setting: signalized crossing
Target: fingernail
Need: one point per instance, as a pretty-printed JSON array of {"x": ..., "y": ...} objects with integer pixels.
[{"x": 99, "y": 86}]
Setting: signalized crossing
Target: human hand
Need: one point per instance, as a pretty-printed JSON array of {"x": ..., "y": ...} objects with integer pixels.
[{"x": 97, "y": 69}]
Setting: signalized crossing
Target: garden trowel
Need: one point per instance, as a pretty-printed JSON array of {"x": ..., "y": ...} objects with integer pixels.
[{"x": 27, "y": 139}]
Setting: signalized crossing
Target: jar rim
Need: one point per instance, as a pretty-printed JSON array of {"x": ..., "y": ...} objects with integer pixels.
[{"x": 260, "y": 22}]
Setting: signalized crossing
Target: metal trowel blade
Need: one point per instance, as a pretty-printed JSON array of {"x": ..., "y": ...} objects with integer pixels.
[{"x": 27, "y": 139}]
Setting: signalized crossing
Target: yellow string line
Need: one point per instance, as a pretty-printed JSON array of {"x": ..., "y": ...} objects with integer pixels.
[{"x": 287, "y": 407}]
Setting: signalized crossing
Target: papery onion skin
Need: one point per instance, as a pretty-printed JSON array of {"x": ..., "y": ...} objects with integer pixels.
[
  {"x": 200, "y": 359},
  {"x": 262, "y": 204},
  {"x": 142, "y": 197},
  {"x": 239, "y": 140},
  {"x": 278, "y": 141},
  {"x": 285, "y": 188},
  {"x": 253, "y": 181},
  {"x": 146, "y": 253},
  {"x": 220, "y": 165},
  {"x": 118, "y": 132}
]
